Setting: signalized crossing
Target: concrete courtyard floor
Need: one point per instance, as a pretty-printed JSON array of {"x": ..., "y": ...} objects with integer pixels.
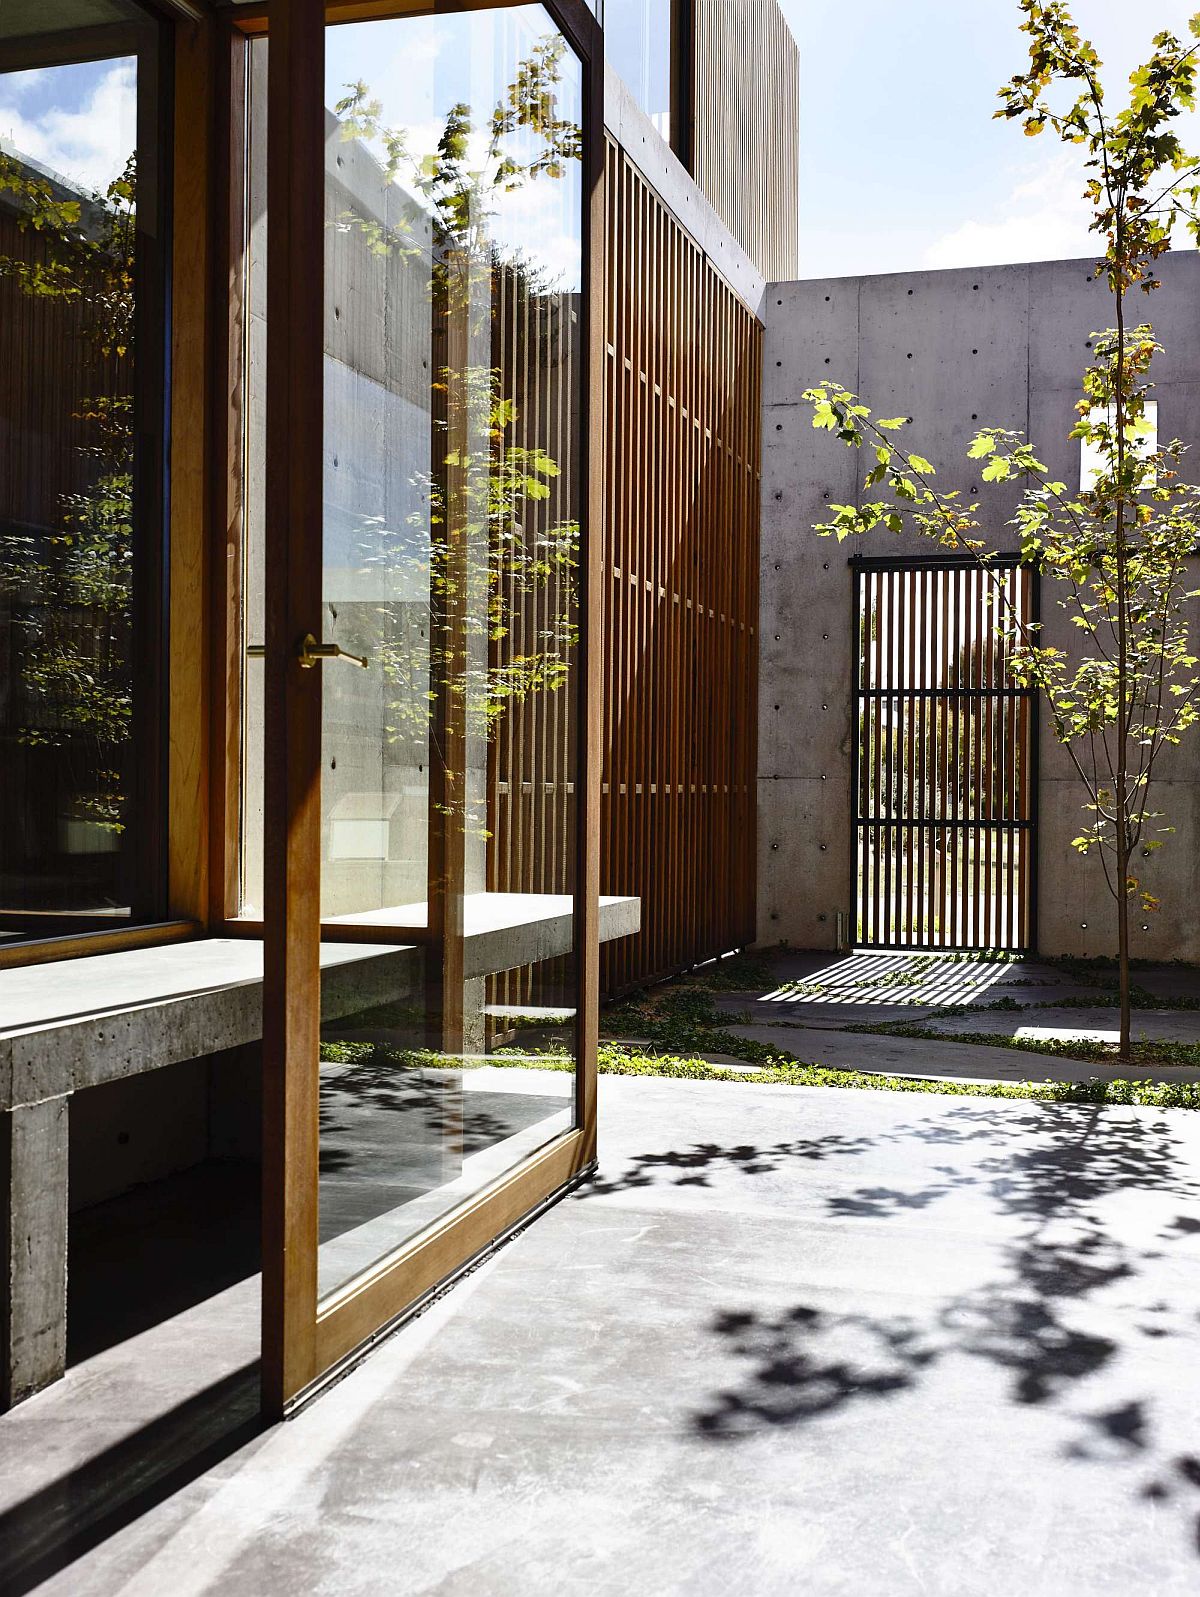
[{"x": 790, "y": 1340}]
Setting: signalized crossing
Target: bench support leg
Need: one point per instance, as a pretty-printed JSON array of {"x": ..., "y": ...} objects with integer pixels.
[{"x": 33, "y": 1287}]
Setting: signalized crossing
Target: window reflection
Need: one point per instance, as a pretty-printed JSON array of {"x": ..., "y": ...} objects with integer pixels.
[
  {"x": 453, "y": 205},
  {"x": 637, "y": 43},
  {"x": 73, "y": 812}
]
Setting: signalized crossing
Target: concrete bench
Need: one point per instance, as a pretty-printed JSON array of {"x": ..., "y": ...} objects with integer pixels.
[{"x": 103, "y": 1018}]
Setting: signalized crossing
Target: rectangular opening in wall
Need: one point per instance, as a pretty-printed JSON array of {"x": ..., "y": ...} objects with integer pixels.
[{"x": 943, "y": 763}]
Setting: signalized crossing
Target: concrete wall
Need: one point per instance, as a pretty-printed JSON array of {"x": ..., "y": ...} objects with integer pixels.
[{"x": 955, "y": 350}]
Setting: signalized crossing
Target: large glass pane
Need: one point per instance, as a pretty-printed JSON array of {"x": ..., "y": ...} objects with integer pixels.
[
  {"x": 637, "y": 43},
  {"x": 80, "y": 533},
  {"x": 451, "y": 535}
]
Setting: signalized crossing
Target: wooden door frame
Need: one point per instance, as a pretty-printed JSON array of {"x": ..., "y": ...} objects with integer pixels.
[{"x": 306, "y": 1340}]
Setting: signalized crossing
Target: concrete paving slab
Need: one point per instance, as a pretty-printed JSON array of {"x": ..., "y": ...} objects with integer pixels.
[
  {"x": 791, "y": 1339},
  {"x": 947, "y": 1061},
  {"x": 1170, "y": 981},
  {"x": 1101, "y": 1023},
  {"x": 758, "y": 1011}
]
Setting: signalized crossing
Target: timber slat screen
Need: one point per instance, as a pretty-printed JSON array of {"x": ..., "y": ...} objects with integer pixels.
[
  {"x": 683, "y": 393},
  {"x": 943, "y": 781},
  {"x": 745, "y": 143},
  {"x": 531, "y": 753}
]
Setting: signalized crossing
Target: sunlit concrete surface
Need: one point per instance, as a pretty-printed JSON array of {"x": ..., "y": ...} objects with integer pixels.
[{"x": 790, "y": 1340}]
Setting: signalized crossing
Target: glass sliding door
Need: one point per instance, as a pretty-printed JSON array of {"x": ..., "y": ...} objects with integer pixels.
[{"x": 434, "y": 694}]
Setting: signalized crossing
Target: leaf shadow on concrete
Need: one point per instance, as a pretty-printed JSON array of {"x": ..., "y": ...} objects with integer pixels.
[
  {"x": 695, "y": 1166},
  {"x": 1067, "y": 1295}
]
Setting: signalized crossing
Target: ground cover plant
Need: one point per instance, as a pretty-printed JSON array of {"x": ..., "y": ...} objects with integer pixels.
[{"x": 674, "y": 1029}]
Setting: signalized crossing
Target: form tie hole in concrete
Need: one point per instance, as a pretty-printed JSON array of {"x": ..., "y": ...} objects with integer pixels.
[
  {"x": 827, "y": 360},
  {"x": 975, "y": 287},
  {"x": 910, "y": 354},
  {"x": 974, "y": 417},
  {"x": 910, "y": 291},
  {"x": 827, "y": 299},
  {"x": 974, "y": 352}
]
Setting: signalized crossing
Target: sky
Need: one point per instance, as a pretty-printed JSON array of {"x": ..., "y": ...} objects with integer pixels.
[
  {"x": 78, "y": 120},
  {"x": 901, "y": 165}
]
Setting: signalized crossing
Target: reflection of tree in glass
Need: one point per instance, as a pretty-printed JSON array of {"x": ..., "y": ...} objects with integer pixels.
[
  {"x": 71, "y": 589},
  {"x": 491, "y": 538}
]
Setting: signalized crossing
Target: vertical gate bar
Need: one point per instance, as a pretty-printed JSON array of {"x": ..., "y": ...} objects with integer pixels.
[
  {"x": 1010, "y": 804},
  {"x": 989, "y": 645},
  {"x": 856, "y": 731},
  {"x": 891, "y": 750},
  {"x": 1029, "y": 752},
  {"x": 1005, "y": 776},
  {"x": 975, "y": 762},
  {"x": 956, "y": 756},
  {"x": 877, "y": 586},
  {"x": 908, "y": 731},
  {"x": 921, "y": 626},
  {"x": 939, "y": 731}
]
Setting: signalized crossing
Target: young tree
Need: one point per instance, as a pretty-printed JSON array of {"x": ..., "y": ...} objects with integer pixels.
[{"x": 1118, "y": 548}]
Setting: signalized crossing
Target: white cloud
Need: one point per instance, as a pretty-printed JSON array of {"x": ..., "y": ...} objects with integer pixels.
[
  {"x": 88, "y": 142},
  {"x": 1042, "y": 217}
]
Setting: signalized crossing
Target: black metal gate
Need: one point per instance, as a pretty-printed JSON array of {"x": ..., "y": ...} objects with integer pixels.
[{"x": 943, "y": 777}]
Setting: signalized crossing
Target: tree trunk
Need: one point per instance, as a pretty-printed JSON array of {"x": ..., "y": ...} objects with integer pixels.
[
  {"x": 1124, "y": 1046},
  {"x": 1121, "y": 805}
]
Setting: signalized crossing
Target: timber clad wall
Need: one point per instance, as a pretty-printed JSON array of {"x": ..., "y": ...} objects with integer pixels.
[
  {"x": 745, "y": 127},
  {"x": 684, "y": 379}
]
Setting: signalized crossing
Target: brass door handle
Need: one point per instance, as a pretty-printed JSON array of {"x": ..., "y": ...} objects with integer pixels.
[{"x": 309, "y": 653}]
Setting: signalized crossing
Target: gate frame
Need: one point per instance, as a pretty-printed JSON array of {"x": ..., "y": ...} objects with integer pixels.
[{"x": 933, "y": 562}]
